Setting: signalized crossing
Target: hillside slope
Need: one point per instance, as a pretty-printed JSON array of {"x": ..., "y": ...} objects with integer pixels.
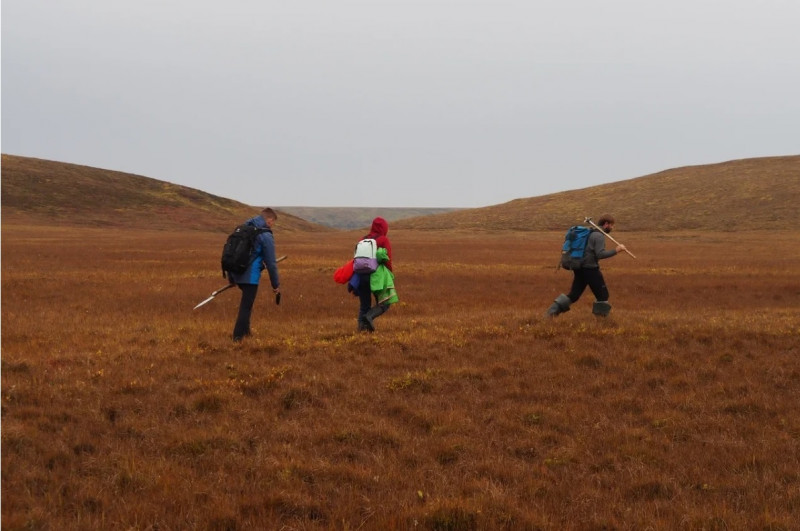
[
  {"x": 751, "y": 194},
  {"x": 42, "y": 191},
  {"x": 348, "y": 218}
]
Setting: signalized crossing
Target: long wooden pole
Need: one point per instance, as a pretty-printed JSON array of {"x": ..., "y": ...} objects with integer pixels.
[{"x": 589, "y": 220}]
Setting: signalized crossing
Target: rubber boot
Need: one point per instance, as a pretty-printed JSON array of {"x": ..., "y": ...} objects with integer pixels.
[
  {"x": 372, "y": 314},
  {"x": 601, "y": 308},
  {"x": 560, "y": 305}
]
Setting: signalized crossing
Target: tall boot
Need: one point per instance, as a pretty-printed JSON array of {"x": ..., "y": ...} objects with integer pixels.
[
  {"x": 601, "y": 308},
  {"x": 560, "y": 305},
  {"x": 372, "y": 314}
]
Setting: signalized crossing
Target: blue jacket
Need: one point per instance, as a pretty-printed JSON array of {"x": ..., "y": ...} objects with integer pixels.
[{"x": 263, "y": 257}]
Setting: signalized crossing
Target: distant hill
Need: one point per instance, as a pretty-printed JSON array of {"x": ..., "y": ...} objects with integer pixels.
[
  {"x": 752, "y": 194},
  {"x": 42, "y": 191},
  {"x": 357, "y": 217},
  {"x": 747, "y": 194}
]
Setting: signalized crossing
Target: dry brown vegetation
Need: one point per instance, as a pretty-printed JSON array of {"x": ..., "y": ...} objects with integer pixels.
[
  {"x": 124, "y": 409},
  {"x": 63, "y": 193},
  {"x": 750, "y": 194},
  {"x": 747, "y": 194}
]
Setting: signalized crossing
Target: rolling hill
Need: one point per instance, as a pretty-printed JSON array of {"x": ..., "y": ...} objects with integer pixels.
[
  {"x": 749, "y": 194},
  {"x": 41, "y": 191},
  {"x": 358, "y": 217}
]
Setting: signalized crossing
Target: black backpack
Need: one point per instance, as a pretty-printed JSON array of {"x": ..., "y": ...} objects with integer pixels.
[{"x": 238, "y": 249}]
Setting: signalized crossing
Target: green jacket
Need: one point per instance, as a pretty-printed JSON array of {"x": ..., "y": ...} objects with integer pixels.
[{"x": 381, "y": 282}]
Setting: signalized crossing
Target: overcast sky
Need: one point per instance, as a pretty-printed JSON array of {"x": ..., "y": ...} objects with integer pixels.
[{"x": 435, "y": 103}]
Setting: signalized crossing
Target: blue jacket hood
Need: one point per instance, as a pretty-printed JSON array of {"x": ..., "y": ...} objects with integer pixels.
[{"x": 257, "y": 221}]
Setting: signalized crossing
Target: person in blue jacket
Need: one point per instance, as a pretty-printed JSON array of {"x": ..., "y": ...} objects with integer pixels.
[{"x": 263, "y": 257}]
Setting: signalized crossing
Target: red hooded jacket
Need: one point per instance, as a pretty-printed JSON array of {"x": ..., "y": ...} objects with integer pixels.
[{"x": 378, "y": 232}]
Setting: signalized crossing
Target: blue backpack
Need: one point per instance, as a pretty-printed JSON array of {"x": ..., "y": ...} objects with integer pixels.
[{"x": 574, "y": 247}]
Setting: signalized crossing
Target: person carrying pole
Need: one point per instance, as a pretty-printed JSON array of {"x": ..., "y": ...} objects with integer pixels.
[
  {"x": 589, "y": 274},
  {"x": 262, "y": 257}
]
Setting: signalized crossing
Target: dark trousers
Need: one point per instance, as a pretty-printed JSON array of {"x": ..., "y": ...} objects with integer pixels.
[
  {"x": 591, "y": 277},
  {"x": 242, "y": 327},
  {"x": 365, "y": 297}
]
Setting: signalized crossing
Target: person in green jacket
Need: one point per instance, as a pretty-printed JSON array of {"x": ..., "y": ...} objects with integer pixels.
[{"x": 366, "y": 312}]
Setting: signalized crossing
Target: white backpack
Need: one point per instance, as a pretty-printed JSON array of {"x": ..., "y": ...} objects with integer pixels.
[{"x": 364, "y": 260}]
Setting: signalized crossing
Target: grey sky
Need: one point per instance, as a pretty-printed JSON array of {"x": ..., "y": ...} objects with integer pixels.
[{"x": 398, "y": 103}]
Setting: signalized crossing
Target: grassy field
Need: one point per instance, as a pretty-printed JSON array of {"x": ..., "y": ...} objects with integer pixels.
[{"x": 122, "y": 408}]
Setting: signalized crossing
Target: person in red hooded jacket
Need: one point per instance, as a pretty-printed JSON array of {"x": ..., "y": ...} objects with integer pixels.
[{"x": 366, "y": 312}]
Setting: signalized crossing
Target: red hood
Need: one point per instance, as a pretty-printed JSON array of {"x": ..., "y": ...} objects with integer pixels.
[
  {"x": 379, "y": 231},
  {"x": 379, "y": 227}
]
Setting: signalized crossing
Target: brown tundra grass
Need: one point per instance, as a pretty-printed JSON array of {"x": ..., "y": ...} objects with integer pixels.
[{"x": 124, "y": 409}]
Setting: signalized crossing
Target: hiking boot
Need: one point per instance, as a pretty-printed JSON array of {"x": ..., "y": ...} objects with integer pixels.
[
  {"x": 238, "y": 338},
  {"x": 372, "y": 314},
  {"x": 601, "y": 308},
  {"x": 560, "y": 305}
]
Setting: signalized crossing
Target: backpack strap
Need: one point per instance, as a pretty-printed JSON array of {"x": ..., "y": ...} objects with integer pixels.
[{"x": 259, "y": 231}]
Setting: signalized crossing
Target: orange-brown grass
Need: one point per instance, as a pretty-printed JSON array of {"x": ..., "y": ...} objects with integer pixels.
[
  {"x": 764, "y": 192},
  {"x": 122, "y": 408}
]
